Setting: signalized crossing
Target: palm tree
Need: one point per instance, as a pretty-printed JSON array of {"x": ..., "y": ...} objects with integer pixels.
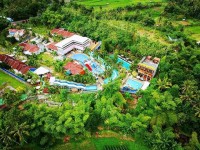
[
  {"x": 6, "y": 137},
  {"x": 20, "y": 131},
  {"x": 190, "y": 91},
  {"x": 163, "y": 84}
]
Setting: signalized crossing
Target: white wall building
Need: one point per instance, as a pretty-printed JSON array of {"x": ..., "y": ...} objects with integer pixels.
[{"x": 73, "y": 42}]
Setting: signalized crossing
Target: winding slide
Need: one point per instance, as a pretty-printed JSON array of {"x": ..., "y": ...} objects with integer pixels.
[
  {"x": 73, "y": 85},
  {"x": 126, "y": 89}
]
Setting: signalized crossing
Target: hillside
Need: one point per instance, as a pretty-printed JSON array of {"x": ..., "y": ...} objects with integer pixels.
[{"x": 117, "y": 75}]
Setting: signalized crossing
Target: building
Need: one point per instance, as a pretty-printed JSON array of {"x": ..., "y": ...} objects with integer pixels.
[
  {"x": 73, "y": 42},
  {"x": 16, "y": 33},
  {"x": 147, "y": 68},
  {"x": 62, "y": 33},
  {"x": 74, "y": 68},
  {"x": 52, "y": 47},
  {"x": 16, "y": 65},
  {"x": 30, "y": 49}
]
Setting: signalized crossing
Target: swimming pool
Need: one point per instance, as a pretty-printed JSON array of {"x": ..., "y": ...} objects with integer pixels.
[
  {"x": 136, "y": 85},
  {"x": 80, "y": 57},
  {"x": 96, "y": 68},
  {"x": 113, "y": 76},
  {"x": 125, "y": 64}
]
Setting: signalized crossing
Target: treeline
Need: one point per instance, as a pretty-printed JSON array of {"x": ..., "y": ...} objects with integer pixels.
[
  {"x": 188, "y": 8},
  {"x": 23, "y": 9}
]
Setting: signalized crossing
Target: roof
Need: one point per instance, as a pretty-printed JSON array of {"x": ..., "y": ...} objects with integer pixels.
[
  {"x": 148, "y": 63},
  {"x": 15, "y": 64},
  {"x": 52, "y": 46},
  {"x": 62, "y": 32},
  {"x": 74, "y": 38},
  {"x": 29, "y": 47},
  {"x": 74, "y": 68},
  {"x": 41, "y": 71},
  {"x": 12, "y": 30}
]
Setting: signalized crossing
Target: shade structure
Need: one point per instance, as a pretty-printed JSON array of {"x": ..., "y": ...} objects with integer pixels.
[{"x": 41, "y": 71}]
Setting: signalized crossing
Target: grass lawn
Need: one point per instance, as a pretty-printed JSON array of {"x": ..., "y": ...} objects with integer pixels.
[
  {"x": 110, "y": 4},
  {"x": 4, "y": 78},
  {"x": 194, "y": 31},
  {"x": 99, "y": 144},
  {"x": 42, "y": 30}
]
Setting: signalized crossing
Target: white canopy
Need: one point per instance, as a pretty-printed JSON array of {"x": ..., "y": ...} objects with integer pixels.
[
  {"x": 41, "y": 71},
  {"x": 145, "y": 85}
]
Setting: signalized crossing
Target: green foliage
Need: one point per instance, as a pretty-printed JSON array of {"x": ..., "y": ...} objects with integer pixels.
[{"x": 3, "y": 23}]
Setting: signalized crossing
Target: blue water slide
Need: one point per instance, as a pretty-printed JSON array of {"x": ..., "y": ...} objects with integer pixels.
[
  {"x": 126, "y": 89},
  {"x": 75, "y": 85},
  {"x": 69, "y": 84},
  {"x": 91, "y": 88}
]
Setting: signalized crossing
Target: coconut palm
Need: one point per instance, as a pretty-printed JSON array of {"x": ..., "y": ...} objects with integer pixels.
[
  {"x": 20, "y": 131},
  {"x": 163, "y": 84},
  {"x": 6, "y": 137}
]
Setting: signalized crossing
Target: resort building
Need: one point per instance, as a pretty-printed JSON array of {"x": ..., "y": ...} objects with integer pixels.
[
  {"x": 52, "y": 47},
  {"x": 74, "y": 42},
  {"x": 16, "y": 33},
  {"x": 74, "y": 68},
  {"x": 30, "y": 49},
  {"x": 62, "y": 33},
  {"x": 147, "y": 68},
  {"x": 16, "y": 65}
]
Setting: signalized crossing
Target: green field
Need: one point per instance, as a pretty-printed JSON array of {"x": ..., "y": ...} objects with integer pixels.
[
  {"x": 194, "y": 31},
  {"x": 4, "y": 78},
  {"x": 99, "y": 144},
  {"x": 109, "y": 4}
]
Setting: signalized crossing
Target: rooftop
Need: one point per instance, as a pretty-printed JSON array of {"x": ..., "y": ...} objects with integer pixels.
[
  {"x": 15, "y": 64},
  {"x": 29, "y": 47},
  {"x": 62, "y": 32},
  {"x": 74, "y": 38},
  {"x": 149, "y": 63},
  {"x": 74, "y": 68},
  {"x": 52, "y": 46}
]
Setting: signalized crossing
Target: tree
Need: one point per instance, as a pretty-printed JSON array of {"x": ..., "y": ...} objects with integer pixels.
[
  {"x": 3, "y": 23},
  {"x": 6, "y": 137},
  {"x": 20, "y": 131},
  {"x": 58, "y": 66},
  {"x": 163, "y": 84}
]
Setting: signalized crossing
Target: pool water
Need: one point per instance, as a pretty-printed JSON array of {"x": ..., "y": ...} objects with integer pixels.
[
  {"x": 136, "y": 85},
  {"x": 113, "y": 76},
  {"x": 125, "y": 64},
  {"x": 96, "y": 69},
  {"x": 80, "y": 57}
]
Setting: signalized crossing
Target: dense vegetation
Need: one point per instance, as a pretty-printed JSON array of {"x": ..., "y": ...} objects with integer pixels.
[{"x": 167, "y": 115}]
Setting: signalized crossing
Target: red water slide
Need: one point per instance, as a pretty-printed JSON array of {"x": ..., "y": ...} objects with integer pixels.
[{"x": 88, "y": 66}]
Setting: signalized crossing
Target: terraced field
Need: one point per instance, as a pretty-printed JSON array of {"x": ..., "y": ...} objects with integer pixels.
[{"x": 109, "y": 4}]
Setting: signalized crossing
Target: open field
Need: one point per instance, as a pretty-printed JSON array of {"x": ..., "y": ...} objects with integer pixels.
[
  {"x": 194, "y": 31},
  {"x": 99, "y": 144},
  {"x": 109, "y": 4},
  {"x": 4, "y": 78}
]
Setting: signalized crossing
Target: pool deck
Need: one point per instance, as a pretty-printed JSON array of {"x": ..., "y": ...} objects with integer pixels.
[{"x": 145, "y": 84}]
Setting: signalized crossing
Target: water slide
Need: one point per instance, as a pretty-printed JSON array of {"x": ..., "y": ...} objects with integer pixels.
[
  {"x": 126, "y": 89},
  {"x": 74, "y": 85},
  {"x": 88, "y": 66}
]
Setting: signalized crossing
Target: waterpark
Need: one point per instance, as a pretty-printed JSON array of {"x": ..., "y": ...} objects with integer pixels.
[{"x": 82, "y": 58}]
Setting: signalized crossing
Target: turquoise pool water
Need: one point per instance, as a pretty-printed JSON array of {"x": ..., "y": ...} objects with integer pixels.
[
  {"x": 113, "y": 76},
  {"x": 125, "y": 64},
  {"x": 80, "y": 57},
  {"x": 96, "y": 69},
  {"x": 136, "y": 85}
]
